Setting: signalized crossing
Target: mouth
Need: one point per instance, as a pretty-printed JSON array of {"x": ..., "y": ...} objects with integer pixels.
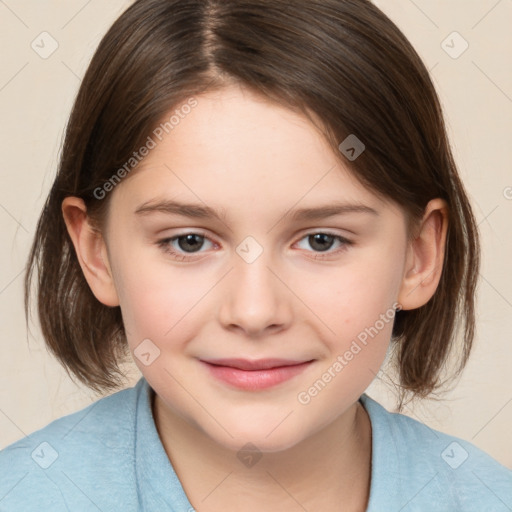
[{"x": 254, "y": 375}]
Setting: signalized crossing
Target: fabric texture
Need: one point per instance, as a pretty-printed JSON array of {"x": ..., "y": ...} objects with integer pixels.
[{"x": 109, "y": 457}]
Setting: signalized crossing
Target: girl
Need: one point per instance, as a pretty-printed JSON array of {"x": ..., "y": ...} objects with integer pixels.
[{"x": 302, "y": 147}]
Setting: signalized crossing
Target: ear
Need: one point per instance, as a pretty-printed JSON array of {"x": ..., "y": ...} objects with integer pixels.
[
  {"x": 425, "y": 257},
  {"x": 91, "y": 251}
]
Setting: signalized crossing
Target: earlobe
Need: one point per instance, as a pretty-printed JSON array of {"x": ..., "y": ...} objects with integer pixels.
[
  {"x": 425, "y": 257},
  {"x": 91, "y": 251}
]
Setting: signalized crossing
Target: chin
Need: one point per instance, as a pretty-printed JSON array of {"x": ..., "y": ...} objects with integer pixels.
[{"x": 267, "y": 437}]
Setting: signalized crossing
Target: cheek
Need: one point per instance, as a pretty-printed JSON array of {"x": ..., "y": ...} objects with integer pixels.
[
  {"x": 361, "y": 316},
  {"x": 352, "y": 298},
  {"x": 368, "y": 309},
  {"x": 357, "y": 307},
  {"x": 154, "y": 300}
]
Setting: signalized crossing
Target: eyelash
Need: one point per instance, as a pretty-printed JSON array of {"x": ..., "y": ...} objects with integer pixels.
[{"x": 164, "y": 244}]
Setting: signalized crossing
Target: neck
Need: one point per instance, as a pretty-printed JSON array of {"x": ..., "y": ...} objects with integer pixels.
[{"x": 328, "y": 469}]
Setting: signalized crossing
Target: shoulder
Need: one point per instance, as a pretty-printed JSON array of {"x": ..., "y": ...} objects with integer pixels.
[
  {"x": 423, "y": 465},
  {"x": 60, "y": 463}
]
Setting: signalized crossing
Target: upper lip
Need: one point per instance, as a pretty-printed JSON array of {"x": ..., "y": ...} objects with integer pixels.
[{"x": 257, "y": 364}]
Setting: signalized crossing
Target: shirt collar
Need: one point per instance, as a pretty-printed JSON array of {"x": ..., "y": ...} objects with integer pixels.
[
  {"x": 158, "y": 486},
  {"x": 383, "y": 496}
]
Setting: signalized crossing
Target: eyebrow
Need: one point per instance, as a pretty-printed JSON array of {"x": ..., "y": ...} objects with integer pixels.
[
  {"x": 199, "y": 211},
  {"x": 170, "y": 207}
]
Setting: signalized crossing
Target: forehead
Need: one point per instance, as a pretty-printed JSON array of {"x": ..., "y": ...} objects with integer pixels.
[{"x": 237, "y": 149}]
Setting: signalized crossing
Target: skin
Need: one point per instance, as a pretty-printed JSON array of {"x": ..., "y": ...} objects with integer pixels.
[{"x": 256, "y": 160}]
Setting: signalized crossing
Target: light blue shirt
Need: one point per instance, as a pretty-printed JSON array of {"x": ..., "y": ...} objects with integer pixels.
[{"x": 109, "y": 457}]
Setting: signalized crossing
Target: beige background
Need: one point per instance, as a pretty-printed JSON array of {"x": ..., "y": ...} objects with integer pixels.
[{"x": 36, "y": 95}]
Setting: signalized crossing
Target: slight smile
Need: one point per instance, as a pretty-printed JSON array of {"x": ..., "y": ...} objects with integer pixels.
[{"x": 257, "y": 374}]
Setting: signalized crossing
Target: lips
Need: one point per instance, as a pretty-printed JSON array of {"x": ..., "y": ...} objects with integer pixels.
[
  {"x": 259, "y": 364},
  {"x": 254, "y": 375}
]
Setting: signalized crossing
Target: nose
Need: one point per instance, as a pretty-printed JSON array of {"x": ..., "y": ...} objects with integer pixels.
[{"x": 255, "y": 300}]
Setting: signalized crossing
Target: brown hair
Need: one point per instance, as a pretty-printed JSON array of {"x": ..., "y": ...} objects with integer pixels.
[{"x": 342, "y": 60}]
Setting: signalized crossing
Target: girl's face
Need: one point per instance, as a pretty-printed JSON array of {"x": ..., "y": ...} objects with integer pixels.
[{"x": 212, "y": 247}]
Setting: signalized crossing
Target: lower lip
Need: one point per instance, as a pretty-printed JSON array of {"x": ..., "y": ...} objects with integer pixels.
[{"x": 253, "y": 380}]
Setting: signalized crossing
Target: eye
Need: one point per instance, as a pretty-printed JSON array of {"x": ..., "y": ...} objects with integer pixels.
[
  {"x": 322, "y": 241},
  {"x": 182, "y": 245}
]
